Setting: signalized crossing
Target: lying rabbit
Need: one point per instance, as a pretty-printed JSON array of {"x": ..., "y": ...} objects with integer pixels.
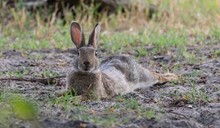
[{"x": 115, "y": 75}]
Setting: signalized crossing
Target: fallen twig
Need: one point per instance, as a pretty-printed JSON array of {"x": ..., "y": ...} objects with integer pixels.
[{"x": 49, "y": 80}]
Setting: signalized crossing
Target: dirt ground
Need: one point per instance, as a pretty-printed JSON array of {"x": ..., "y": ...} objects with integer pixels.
[{"x": 191, "y": 102}]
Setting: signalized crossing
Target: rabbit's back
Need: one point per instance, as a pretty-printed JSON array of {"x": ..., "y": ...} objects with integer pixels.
[
  {"x": 125, "y": 74},
  {"x": 121, "y": 64}
]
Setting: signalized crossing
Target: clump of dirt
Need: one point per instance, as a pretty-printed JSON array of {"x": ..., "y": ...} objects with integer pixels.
[{"x": 191, "y": 102}]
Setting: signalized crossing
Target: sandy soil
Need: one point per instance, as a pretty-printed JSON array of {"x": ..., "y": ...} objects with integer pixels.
[{"x": 171, "y": 102}]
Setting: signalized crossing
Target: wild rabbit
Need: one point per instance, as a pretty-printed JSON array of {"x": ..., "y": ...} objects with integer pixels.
[{"x": 115, "y": 75}]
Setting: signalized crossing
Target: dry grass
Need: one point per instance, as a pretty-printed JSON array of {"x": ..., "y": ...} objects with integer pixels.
[{"x": 198, "y": 19}]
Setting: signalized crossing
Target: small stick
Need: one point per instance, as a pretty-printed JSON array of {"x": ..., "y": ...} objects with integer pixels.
[{"x": 40, "y": 80}]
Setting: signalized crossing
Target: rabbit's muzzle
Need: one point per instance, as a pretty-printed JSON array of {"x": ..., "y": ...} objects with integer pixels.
[{"x": 86, "y": 65}]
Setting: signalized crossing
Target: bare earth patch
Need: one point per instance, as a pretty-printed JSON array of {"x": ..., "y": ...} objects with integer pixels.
[{"x": 190, "y": 102}]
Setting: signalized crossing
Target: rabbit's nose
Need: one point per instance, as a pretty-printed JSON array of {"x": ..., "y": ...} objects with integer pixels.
[{"x": 86, "y": 63}]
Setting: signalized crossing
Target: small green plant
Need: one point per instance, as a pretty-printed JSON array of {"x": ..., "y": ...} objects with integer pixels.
[
  {"x": 149, "y": 114},
  {"x": 196, "y": 95},
  {"x": 15, "y": 106},
  {"x": 190, "y": 58},
  {"x": 142, "y": 51},
  {"x": 68, "y": 100},
  {"x": 116, "y": 105},
  {"x": 216, "y": 53},
  {"x": 50, "y": 73},
  {"x": 109, "y": 121},
  {"x": 215, "y": 34},
  {"x": 20, "y": 73},
  {"x": 196, "y": 73},
  {"x": 131, "y": 103}
]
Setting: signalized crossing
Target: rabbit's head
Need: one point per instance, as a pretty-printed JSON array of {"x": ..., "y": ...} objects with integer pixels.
[{"x": 87, "y": 60}]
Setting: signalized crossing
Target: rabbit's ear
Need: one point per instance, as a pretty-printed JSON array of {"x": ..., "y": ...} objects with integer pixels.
[
  {"x": 93, "y": 39},
  {"x": 77, "y": 35}
]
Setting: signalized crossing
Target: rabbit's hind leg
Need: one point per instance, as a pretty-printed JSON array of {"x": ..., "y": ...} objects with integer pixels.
[{"x": 164, "y": 78}]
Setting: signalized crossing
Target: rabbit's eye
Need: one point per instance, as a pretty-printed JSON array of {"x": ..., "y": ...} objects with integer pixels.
[
  {"x": 77, "y": 52},
  {"x": 96, "y": 53}
]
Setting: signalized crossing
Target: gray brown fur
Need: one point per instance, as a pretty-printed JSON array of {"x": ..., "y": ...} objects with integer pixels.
[{"x": 115, "y": 75}]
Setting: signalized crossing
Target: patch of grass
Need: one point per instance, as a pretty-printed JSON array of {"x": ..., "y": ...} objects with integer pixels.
[
  {"x": 174, "y": 24},
  {"x": 177, "y": 67},
  {"x": 216, "y": 53},
  {"x": 49, "y": 73},
  {"x": 163, "y": 42},
  {"x": 118, "y": 42},
  {"x": 27, "y": 71},
  {"x": 68, "y": 100},
  {"x": 19, "y": 73},
  {"x": 22, "y": 107},
  {"x": 109, "y": 120},
  {"x": 116, "y": 105},
  {"x": 142, "y": 51},
  {"x": 123, "y": 41},
  {"x": 190, "y": 57},
  {"x": 15, "y": 106},
  {"x": 36, "y": 57},
  {"x": 194, "y": 73},
  {"x": 149, "y": 114},
  {"x": 196, "y": 95},
  {"x": 132, "y": 103},
  {"x": 123, "y": 110},
  {"x": 215, "y": 34}
]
